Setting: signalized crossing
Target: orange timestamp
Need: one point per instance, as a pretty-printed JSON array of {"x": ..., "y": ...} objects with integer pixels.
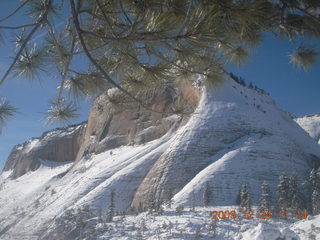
[{"x": 233, "y": 214}]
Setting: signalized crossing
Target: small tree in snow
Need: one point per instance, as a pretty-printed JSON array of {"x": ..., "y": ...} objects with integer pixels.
[
  {"x": 265, "y": 203},
  {"x": 313, "y": 178},
  {"x": 207, "y": 195},
  {"x": 282, "y": 190},
  {"x": 193, "y": 207},
  {"x": 245, "y": 198},
  {"x": 315, "y": 202},
  {"x": 169, "y": 200},
  {"x": 110, "y": 213},
  {"x": 294, "y": 195}
]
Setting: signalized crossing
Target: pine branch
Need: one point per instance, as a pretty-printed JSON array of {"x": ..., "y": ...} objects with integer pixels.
[
  {"x": 304, "y": 11},
  {"x": 18, "y": 27},
  {"x": 41, "y": 20},
  {"x": 15, "y": 11},
  {"x": 98, "y": 66},
  {"x": 105, "y": 16},
  {"x": 143, "y": 39}
]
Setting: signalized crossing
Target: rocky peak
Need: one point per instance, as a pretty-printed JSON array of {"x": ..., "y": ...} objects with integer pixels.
[
  {"x": 111, "y": 126},
  {"x": 58, "y": 145}
]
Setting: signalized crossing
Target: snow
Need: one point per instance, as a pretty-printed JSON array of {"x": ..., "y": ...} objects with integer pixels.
[
  {"x": 234, "y": 136},
  {"x": 311, "y": 124}
]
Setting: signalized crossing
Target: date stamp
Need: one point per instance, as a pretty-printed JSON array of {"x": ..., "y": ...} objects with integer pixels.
[{"x": 233, "y": 214}]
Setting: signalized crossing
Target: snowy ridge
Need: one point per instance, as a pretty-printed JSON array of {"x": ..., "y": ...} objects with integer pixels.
[
  {"x": 311, "y": 124},
  {"x": 236, "y": 135}
]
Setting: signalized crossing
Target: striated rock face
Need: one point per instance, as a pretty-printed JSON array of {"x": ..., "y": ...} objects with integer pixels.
[
  {"x": 235, "y": 135},
  {"x": 110, "y": 126},
  {"x": 60, "y": 145},
  {"x": 311, "y": 124}
]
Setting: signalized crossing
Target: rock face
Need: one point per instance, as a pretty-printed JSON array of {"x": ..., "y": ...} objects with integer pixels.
[
  {"x": 60, "y": 145},
  {"x": 235, "y": 135},
  {"x": 110, "y": 126},
  {"x": 311, "y": 124}
]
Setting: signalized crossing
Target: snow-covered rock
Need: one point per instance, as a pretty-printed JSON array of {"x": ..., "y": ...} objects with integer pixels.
[
  {"x": 236, "y": 135},
  {"x": 311, "y": 124},
  {"x": 59, "y": 145}
]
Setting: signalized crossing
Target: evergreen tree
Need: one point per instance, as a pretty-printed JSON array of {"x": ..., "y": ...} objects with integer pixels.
[
  {"x": 282, "y": 190},
  {"x": 315, "y": 202},
  {"x": 169, "y": 198},
  {"x": 313, "y": 178},
  {"x": 294, "y": 196},
  {"x": 317, "y": 182},
  {"x": 110, "y": 213},
  {"x": 245, "y": 198},
  {"x": 207, "y": 195},
  {"x": 265, "y": 203},
  {"x": 136, "y": 46}
]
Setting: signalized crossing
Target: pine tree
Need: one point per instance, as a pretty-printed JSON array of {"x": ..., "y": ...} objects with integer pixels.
[
  {"x": 207, "y": 195},
  {"x": 169, "y": 198},
  {"x": 294, "y": 196},
  {"x": 136, "y": 46},
  {"x": 265, "y": 203},
  {"x": 245, "y": 198},
  {"x": 315, "y": 202},
  {"x": 313, "y": 179},
  {"x": 282, "y": 190},
  {"x": 110, "y": 213},
  {"x": 317, "y": 182}
]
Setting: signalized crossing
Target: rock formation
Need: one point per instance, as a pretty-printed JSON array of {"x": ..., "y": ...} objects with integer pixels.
[
  {"x": 235, "y": 135},
  {"x": 311, "y": 124},
  {"x": 59, "y": 145}
]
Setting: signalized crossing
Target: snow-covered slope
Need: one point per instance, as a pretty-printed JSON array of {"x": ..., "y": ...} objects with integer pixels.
[
  {"x": 235, "y": 135},
  {"x": 311, "y": 124}
]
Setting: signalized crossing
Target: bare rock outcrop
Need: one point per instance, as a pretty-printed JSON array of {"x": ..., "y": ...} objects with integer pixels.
[
  {"x": 110, "y": 126},
  {"x": 59, "y": 145}
]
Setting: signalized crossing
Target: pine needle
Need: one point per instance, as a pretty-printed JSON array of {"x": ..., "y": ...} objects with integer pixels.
[
  {"x": 6, "y": 111},
  {"x": 61, "y": 111},
  {"x": 304, "y": 57}
]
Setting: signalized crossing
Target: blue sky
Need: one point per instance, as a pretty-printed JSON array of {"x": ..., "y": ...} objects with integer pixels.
[{"x": 293, "y": 90}]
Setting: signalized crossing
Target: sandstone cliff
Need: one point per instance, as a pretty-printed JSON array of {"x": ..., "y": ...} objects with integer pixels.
[
  {"x": 59, "y": 145},
  {"x": 236, "y": 135},
  {"x": 110, "y": 126}
]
